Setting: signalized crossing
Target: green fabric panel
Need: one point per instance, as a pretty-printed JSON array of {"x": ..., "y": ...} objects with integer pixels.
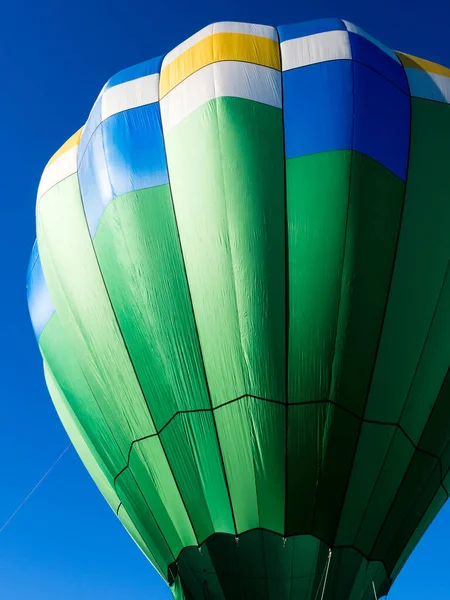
[
  {"x": 138, "y": 539},
  {"x": 190, "y": 442},
  {"x": 344, "y": 212},
  {"x": 242, "y": 567},
  {"x": 396, "y": 463},
  {"x": 226, "y": 171},
  {"x": 321, "y": 442},
  {"x": 415, "y": 493},
  {"x": 82, "y": 303},
  {"x": 309, "y": 555},
  {"x": 382, "y": 458},
  {"x": 362, "y": 585},
  {"x": 225, "y": 553},
  {"x": 421, "y": 265},
  {"x": 425, "y": 387},
  {"x": 140, "y": 257},
  {"x": 344, "y": 568},
  {"x": 67, "y": 372},
  {"x": 260, "y": 565},
  {"x": 278, "y": 556},
  {"x": 141, "y": 515},
  {"x": 435, "y": 506},
  {"x": 373, "y": 224},
  {"x": 154, "y": 478},
  {"x": 253, "y": 442},
  {"x": 436, "y": 436},
  {"x": 444, "y": 455},
  {"x": 373, "y": 446},
  {"x": 72, "y": 415},
  {"x": 198, "y": 572},
  {"x": 411, "y": 518},
  {"x": 317, "y": 198},
  {"x": 177, "y": 590},
  {"x": 80, "y": 442}
]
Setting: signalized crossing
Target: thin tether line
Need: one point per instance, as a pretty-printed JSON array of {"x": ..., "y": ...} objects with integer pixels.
[{"x": 41, "y": 480}]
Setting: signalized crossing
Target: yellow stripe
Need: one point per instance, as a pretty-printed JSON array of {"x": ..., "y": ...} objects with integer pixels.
[
  {"x": 217, "y": 47},
  {"x": 412, "y": 62},
  {"x": 71, "y": 142}
]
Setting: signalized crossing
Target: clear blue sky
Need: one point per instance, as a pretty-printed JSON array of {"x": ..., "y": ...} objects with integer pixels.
[{"x": 55, "y": 56}]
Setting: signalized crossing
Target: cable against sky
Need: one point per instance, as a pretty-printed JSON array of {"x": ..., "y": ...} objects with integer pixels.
[{"x": 41, "y": 480}]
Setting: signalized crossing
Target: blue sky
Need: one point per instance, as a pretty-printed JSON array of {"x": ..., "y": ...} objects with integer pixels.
[{"x": 55, "y": 56}]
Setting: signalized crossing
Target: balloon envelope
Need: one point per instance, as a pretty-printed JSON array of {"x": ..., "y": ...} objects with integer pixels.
[{"x": 240, "y": 292}]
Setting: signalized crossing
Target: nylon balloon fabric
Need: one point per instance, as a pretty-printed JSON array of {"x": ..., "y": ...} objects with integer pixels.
[{"x": 240, "y": 290}]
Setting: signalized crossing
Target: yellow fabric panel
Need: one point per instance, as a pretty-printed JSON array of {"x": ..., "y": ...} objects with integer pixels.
[
  {"x": 412, "y": 62},
  {"x": 71, "y": 142},
  {"x": 217, "y": 47}
]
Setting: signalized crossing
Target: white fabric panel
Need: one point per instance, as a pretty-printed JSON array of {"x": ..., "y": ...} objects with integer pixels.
[
  {"x": 430, "y": 86},
  {"x": 311, "y": 49},
  {"x": 130, "y": 94},
  {"x": 354, "y": 29},
  {"x": 64, "y": 165},
  {"x": 225, "y": 27},
  {"x": 228, "y": 78}
]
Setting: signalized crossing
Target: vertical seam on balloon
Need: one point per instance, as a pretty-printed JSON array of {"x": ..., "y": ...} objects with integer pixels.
[
  {"x": 377, "y": 479},
  {"x": 148, "y": 550},
  {"x": 416, "y": 447},
  {"x": 389, "y": 293},
  {"x": 292, "y": 568},
  {"x": 438, "y": 457},
  {"x": 423, "y": 350},
  {"x": 394, "y": 259},
  {"x": 82, "y": 370},
  {"x": 344, "y": 489},
  {"x": 405, "y": 517},
  {"x": 286, "y": 295},
  {"x": 439, "y": 464},
  {"x": 135, "y": 372},
  {"x": 154, "y": 518},
  {"x": 216, "y": 107},
  {"x": 195, "y": 320}
]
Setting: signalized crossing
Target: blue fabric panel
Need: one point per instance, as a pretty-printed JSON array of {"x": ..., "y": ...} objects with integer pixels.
[
  {"x": 381, "y": 120},
  {"x": 94, "y": 120},
  {"x": 95, "y": 186},
  {"x": 365, "y": 52},
  {"x": 40, "y": 304},
  {"x": 297, "y": 30},
  {"x": 134, "y": 149},
  {"x": 149, "y": 67},
  {"x": 318, "y": 108}
]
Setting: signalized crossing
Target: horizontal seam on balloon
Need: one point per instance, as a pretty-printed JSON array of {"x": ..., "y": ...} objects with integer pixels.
[
  {"x": 350, "y": 150},
  {"x": 37, "y": 256},
  {"x": 274, "y": 106},
  {"x": 104, "y": 121},
  {"x": 210, "y": 35},
  {"x": 351, "y": 60},
  {"x": 280, "y": 403},
  {"x": 320, "y": 539},
  {"x": 216, "y": 62},
  {"x": 47, "y": 322},
  {"x": 116, "y": 198},
  {"x": 54, "y": 185},
  {"x": 441, "y": 102}
]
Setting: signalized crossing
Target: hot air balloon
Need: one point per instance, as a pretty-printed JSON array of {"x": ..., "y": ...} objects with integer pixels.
[{"x": 241, "y": 295}]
